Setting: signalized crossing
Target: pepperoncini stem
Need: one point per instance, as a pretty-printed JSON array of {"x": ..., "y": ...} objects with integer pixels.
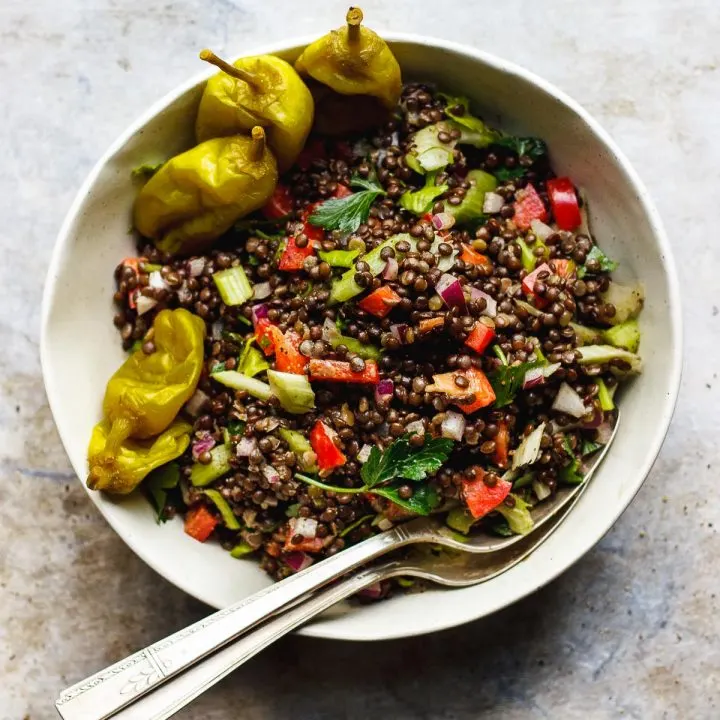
[
  {"x": 354, "y": 19},
  {"x": 257, "y": 146},
  {"x": 210, "y": 57},
  {"x": 119, "y": 432}
]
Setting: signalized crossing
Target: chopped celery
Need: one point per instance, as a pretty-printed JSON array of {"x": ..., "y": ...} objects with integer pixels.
[
  {"x": 339, "y": 258},
  {"x": 293, "y": 510},
  {"x": 233, "y": 285},
  {"x": 625, "y": 336},
  {"x": 427, "y": 152},
  {"x": 252, "y": 361},
  {"x": 238, "y": 381},
  {"x": 524, "y": 480},
  {"x": 587, "y": 335},
  {"x": 518, "y": 516},
  {"x": 228, "y": 516},
  {"x": 293, "y": 391},
  {"x": 421, "y": 201},
  {"x": 299, "y": 444},
  {"x": 460, "y": 519},
  {"x": 599, "y": 354},
  {"x": 628, "y": 301},
  {"x": 570, "y": 474},
  {"x": 606, "y": 401},
  {"x": 473, "y": 131},
  {"x": 366, "y": 352},
  {"x": 345, "y": 287},
  {"x": 201, "y": 475},
  {"x": 541, "y": 490},
  {"x": 241, "y": 549},
  {"x": 471, "y": 207},
  {"x": 405, "y": 582},
  {"x": 526, "y": 255}
]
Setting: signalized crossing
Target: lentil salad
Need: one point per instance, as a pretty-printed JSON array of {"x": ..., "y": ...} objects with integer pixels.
[{"x": 453, "y": 330}]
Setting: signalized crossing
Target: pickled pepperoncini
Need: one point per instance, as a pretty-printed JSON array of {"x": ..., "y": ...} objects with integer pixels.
[
  {"x": 197, "y": 196},
  {"x": 262, "y": 90},
  {"x": 142, "y": 399}
]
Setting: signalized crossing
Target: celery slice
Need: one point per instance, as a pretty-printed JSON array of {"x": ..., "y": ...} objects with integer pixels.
[
  {"x": 228, "y": 516},
  {"x": 238, "y": 381},
  {"x": 233, "y": 285},
  {"x": 201, "y": 475}
]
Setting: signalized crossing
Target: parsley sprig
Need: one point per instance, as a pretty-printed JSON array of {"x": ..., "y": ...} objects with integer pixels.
[
  {"x": 349, "y": 213},
  {"x": 400, "y": 461},
  {"x": 604, "y": 262},
  {"x": 531, "y": 147},
  {"x": 507, "y": 380}
]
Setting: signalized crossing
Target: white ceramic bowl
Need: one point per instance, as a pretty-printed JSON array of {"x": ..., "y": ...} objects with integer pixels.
[{"x": 81, "y": 349}]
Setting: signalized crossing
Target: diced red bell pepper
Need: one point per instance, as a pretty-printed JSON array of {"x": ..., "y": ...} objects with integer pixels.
[
  {"x": 563, "y": 268},
  {"x": 322, "y": 440},
  {"x": 313, "y": 150},
  {"x": 200, "y": 522},
  {"x": 293, "y": 257},
  {"x": 266, "y": 334},
  {"x": 305, "y": 545},
  {"x": 311, "y": 232},
  {"x": 479, "y": 386},
  {"x": 480, "y": 337},
  {"x": 287, "y": 356},
  {"x": 502, "y": 445},
  {"x": 528, "y": 207},
  {"x": 280, "y": 204},
  {"x": 342, "y": 372},
  {"x": 134, "y": 264},
  {"x": 481, "y": 498},
  {"x": 342, "y": 191},
  {"x": 528, "y": 284},
  {"x": 564, "y": 203},
  {"x": 380, "y": 302},
  {"x": 430, "y": 324},
  {"x": 472, "y": 256}
]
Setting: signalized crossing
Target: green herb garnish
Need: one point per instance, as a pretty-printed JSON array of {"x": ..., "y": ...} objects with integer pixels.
[
  {"x": 145, "y": 171},
  {"x": 507, "y": 381},
  {"x": 349, "y": 213},
  {"x": 606, "y": 264},
  {"x": 588, "y": 447},
  {"x": 159, "y": 481},
  {"x": 399, "y": 461},
  {"x": 531, "y": 147}
]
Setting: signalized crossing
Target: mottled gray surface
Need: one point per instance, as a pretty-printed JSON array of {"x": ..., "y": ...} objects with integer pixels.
[{"x": 632, "y": 631}]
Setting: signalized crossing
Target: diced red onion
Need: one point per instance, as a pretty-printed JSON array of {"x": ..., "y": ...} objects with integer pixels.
[
  {"x": 493, "y": 203},
  {"x": 329, "y": 331},
  {"x": 364, "y": 453},
  {"x": 529, "y": 449},
  {"x": 490, "y": 302},
  {"x": 196, "y": 404},
  {"x": 595, "y": 421},
  {"x": 391, "y": 269},
  {"x": 204, "y": 444},
  {"x": 384, "y": 524},
  {"x": 372, "y": 592},
  {"x": 569, "y": 402},
  {"x": 398, "y": 332},
  {"x": 307, "y": 527},
  {"x": 196, "y": 266},
  {"x": 449, "y": 289},
  {"x": 541, "y": 230},
  {"x": 453, "y": 426},
  {"x": 262, "y": 290},
  {"x": 604, "y": 433},
  {"x": 298, "y": 561},
  {"x": 144, "y": 304},
  {"x": 157, "y": 281},
  {"x": 259, "y": 312},
  {"x": 246, "y": 446},
  {"x": 443, "y": 221},
  {"x": 271, "y": 474},
  {"x": 216, "y": 329},
  {"x": 417, "y": 427},
  {"x": 536, "y": 376},
  {"x": 384, "y": 390}
]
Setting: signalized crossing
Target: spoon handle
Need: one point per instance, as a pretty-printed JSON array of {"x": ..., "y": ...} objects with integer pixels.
[
  {"x": 169, "y": 698},
  {"x": 105, "y": 693}
]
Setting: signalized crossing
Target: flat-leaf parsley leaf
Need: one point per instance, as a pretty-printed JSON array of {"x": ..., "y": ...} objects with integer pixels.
[{"x": 347, "y": 214}]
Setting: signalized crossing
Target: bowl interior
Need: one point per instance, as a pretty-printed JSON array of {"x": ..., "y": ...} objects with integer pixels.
[{"x": 80, "y": 347}]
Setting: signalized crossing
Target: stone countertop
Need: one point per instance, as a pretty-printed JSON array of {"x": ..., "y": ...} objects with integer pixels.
[{"x": 633, "y": 630}]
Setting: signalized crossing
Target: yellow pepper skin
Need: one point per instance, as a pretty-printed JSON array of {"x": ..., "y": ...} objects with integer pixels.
[
  {"x": 134, "y": 459},
  {"x": 353, "y": 60},
  {"x": 197, "y": 196},
  {"x": 146, "y": 393},
  {"x": 272, "y": 95}
]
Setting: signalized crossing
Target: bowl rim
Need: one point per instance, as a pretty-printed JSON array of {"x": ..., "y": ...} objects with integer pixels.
[{"x": 432, "y": 622}]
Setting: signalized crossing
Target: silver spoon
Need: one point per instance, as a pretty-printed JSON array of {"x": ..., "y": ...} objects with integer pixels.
[{"x": 102, "y": 695}]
